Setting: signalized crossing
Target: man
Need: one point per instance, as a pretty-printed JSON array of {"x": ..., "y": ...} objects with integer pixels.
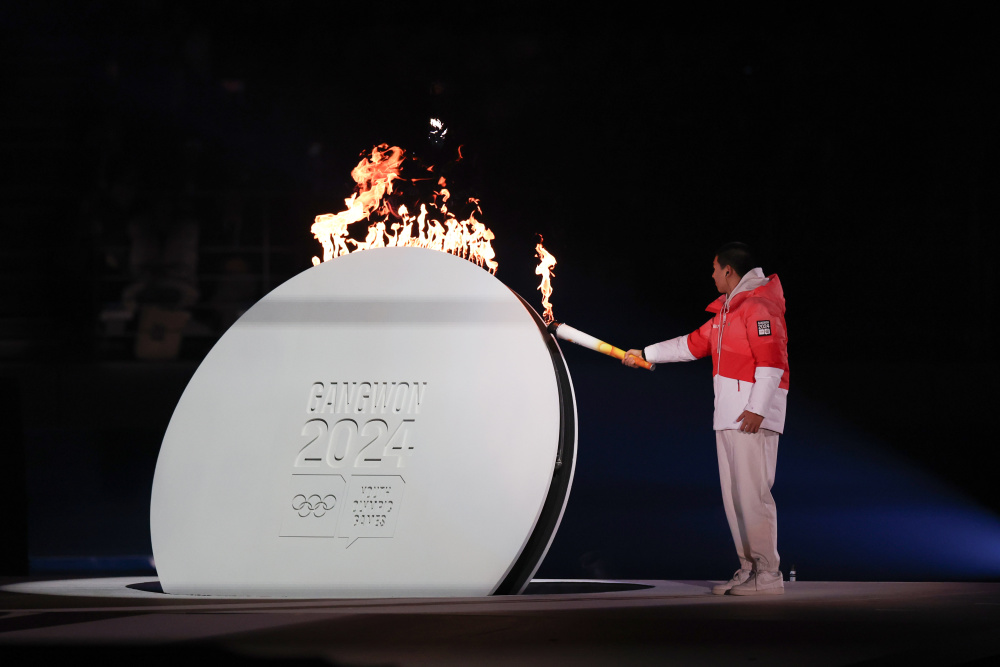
[{"x": 747, "y": 342}]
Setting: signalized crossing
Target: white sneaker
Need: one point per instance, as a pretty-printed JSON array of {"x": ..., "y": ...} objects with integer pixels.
[
  {"x": 760, "y": 583},
  {"x": 739, "y": 577}
]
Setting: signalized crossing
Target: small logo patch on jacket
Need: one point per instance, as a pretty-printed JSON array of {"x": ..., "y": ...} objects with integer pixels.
[{"x": 763, "y": 327}]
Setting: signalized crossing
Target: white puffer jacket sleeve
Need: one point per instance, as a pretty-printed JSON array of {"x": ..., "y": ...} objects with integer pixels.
[
  {"x": 675, "y": 349},
  {"x": 765, "y": 385}
]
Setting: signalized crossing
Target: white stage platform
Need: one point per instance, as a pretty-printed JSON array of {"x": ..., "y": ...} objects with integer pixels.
[{"x": 126, "y": 621}]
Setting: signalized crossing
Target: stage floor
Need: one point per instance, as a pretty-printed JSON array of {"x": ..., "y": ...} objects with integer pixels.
[{"x": 128, "y": 621}]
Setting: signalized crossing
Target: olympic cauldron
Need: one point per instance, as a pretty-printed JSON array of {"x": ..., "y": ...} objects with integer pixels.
[{"x": 392, "y": 423}]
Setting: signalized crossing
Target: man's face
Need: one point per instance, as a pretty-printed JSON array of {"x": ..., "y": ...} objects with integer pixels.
[{"x": 719, "y": 276}]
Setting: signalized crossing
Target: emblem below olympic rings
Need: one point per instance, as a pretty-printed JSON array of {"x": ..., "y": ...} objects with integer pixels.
[{"x": 313, "y": 504}]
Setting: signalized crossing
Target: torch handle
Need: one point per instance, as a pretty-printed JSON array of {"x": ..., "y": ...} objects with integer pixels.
[{"x": 619, "y": 353}]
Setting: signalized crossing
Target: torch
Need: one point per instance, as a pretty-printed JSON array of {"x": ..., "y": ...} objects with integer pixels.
[{"x": 566, "y": 332}]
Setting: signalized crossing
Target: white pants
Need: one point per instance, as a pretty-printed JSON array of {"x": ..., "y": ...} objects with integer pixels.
[{"x": 746, "y": 470}]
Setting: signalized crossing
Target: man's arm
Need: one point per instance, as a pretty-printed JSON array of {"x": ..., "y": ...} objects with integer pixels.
[
  {"x": 769, "y": 347},
  {"x": 693, "y": 346}
]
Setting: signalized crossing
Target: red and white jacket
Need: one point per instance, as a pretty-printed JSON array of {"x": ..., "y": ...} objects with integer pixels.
[{"x": 749, "y": 347}]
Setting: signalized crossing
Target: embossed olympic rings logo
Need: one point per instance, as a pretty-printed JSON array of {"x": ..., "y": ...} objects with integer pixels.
[{"x": 314, "y": 504}]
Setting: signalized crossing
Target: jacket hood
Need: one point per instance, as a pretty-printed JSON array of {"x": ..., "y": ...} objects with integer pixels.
[{"x": 755, "y": 284}]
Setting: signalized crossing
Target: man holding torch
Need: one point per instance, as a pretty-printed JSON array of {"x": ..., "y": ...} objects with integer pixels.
[{"x": 747, "y": 342}]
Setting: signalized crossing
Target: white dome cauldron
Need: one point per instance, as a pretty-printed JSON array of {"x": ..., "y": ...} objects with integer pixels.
[{"x": 395, "y": 422}]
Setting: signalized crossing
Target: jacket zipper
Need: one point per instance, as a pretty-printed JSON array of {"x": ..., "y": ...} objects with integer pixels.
[{"x": 722, "y": 327}]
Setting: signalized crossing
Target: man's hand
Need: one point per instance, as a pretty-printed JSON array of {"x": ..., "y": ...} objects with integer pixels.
[
  {"x": 630, "y": 357},
  {"x": 751, "y": 421}
]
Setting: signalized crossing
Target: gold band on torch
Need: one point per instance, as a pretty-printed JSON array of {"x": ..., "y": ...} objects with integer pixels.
[{"x": 566, "y": 332}]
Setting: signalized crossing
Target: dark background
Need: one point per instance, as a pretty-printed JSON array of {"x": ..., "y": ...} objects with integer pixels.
[{"x": 849, "y": 148}]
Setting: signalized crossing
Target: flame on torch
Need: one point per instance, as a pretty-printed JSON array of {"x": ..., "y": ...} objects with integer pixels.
[
  {"x": 434, "y": 226},
  {"x": 545, "y": 263}
]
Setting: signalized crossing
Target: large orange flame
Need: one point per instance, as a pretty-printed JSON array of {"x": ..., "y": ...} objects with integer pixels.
[
  {"x": 545, "y": 263},
  {"x": 433, "y": 227}
]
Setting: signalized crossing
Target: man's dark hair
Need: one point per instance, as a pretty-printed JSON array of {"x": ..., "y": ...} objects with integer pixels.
[{"x": 738, "y": 256}]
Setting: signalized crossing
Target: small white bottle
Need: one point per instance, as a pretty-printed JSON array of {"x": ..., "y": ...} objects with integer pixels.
[{"x": 791, "y": 574}]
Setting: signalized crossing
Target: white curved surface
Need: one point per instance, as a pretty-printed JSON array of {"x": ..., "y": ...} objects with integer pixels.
[{"x": 428, "y": 359}]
